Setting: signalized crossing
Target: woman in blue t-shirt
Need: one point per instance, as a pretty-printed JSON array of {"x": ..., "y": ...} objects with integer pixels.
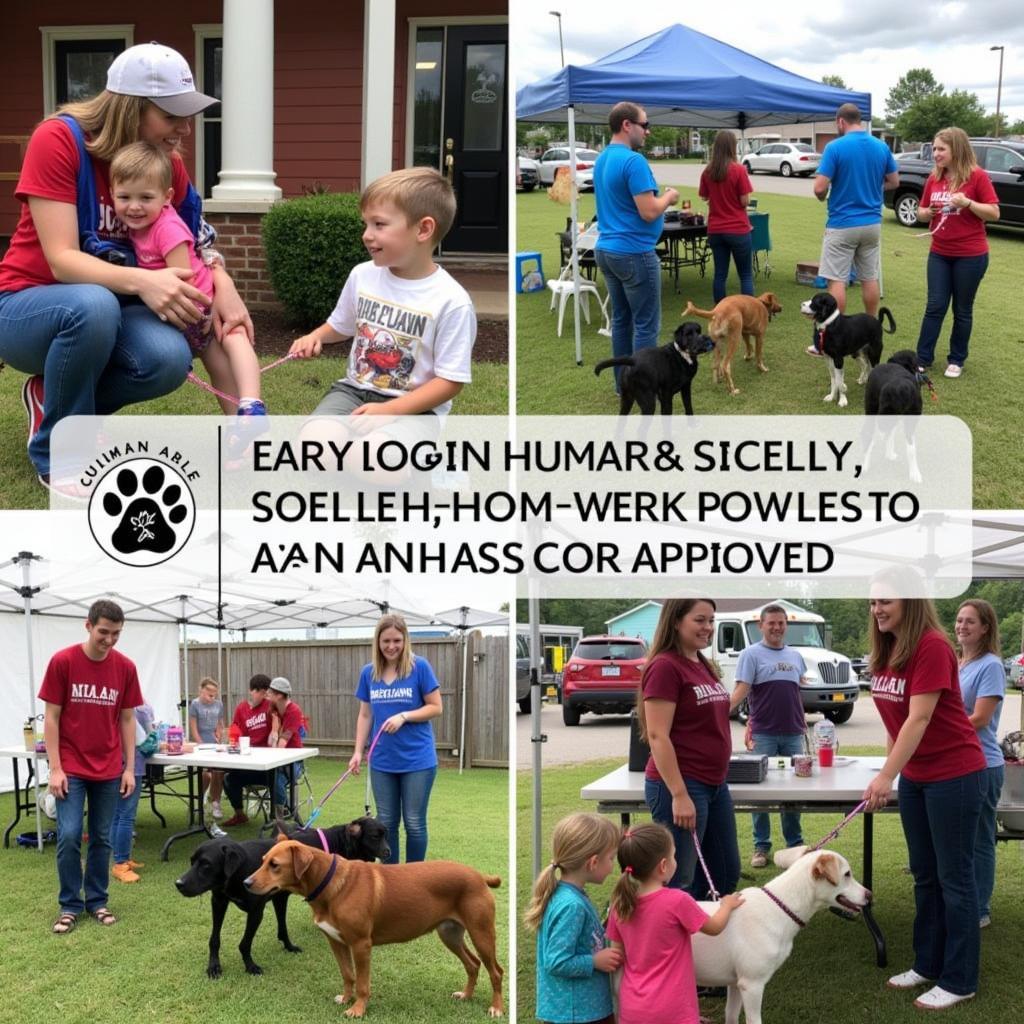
[
  {"x": 399, "y": 693},
  {"x": 983, "y": 686}
]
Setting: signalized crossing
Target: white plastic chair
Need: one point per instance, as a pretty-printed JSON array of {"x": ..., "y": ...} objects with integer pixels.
[{"x": 562, "y": 288}]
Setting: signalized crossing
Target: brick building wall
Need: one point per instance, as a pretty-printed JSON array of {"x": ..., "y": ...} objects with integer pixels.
[{"x": 240, "y": 241}]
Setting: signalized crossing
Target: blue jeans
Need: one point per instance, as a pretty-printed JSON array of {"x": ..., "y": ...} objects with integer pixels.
[
  {"x": 956, "y": 278},
  {"x": 403, "y": 796},
  {"x": 940, "y": 823},
  {"x": 985, "y": 845},
  {"x": 716, "y": 831},
  {"x": 634, "y": 287},
  {"x": 95, "y": 355},
  {"x": 123, "y": 825},
  {"x": 102, "y": 797},
  {"x": 772, "y": 746},
  {"x": 739, "y": 248}
]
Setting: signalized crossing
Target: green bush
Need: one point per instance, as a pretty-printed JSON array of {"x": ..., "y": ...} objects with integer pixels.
[{"x": 312, "y": 244}]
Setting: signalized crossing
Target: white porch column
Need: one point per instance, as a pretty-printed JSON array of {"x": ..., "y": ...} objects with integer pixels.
[
  {"x": 378, "y": 88},
  {"x": 247, "y": 135}
]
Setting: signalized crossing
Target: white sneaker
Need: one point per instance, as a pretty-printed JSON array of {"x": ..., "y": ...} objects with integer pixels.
[
  {"x": 984, "y": 921},
  {"x": 953, "y": 370},
  {"x": 215, "y": 809},
  {"x": 908, "y": 979},
  {"x": 939, "y": 999}
]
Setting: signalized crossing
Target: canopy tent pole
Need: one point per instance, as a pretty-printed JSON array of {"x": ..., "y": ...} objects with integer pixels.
[
  {"x": 464, "y": 611},
  {"x": 536, "y": 737},
  {"x": 184, "y": 658},
  {"x": 27, "y": 591},
  {"x": 574, "y": 229}
]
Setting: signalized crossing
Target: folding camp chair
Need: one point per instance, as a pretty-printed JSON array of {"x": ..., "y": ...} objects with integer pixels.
[{"x": 761, "y": 242}]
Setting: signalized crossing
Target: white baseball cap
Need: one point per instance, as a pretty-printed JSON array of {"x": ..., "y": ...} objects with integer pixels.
[{"x": 160, "y": 74}]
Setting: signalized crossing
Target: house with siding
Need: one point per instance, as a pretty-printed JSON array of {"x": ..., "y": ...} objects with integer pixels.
[{"x": 321, "y": 95}]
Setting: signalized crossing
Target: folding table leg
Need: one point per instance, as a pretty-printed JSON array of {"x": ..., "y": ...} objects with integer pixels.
[{"x": 881, "y": 957}]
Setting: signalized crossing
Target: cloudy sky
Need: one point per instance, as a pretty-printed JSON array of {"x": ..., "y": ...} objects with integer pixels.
[{"x": 869, "y": 43}]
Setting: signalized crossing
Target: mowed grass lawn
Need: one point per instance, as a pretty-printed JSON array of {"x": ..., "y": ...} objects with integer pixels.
[
  {"x": 831, "y": 973},
  {"x": 151, "y": 965},
  {"x": 985, "y": 397},
  {"x": 292, "y": 389}
]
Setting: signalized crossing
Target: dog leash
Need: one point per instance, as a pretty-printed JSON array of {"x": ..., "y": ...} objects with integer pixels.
[
  {"x": 703, "y": 864},
  {"x": 846, "y": 821},
  {"x": 319, "y": 807},
  {"x": 200, "y": 383}
]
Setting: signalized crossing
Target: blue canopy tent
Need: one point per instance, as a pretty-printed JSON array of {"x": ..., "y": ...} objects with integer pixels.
[{"x": 680, "y": 77}]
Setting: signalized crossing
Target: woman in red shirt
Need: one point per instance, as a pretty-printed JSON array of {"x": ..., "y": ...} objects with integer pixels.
[
  {"x": 93, "y": 335},
  {"x": 683, "y": 713},
  {"x": 934, "y": 749},
  {"x": 726, "y": 186},
  {"x": 958, "y": 196}
]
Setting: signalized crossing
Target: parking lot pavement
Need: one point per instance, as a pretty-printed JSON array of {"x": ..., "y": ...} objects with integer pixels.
[
  {"x": 599, "y": 737},
  {"x": 688, "y": 173}
]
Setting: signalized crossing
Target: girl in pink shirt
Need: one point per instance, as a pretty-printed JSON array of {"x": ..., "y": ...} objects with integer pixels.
[
  {"x": 652, "y": 925},
  {"x": 140, "y": 183}
]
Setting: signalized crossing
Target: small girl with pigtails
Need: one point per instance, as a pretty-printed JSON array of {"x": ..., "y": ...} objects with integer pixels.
[
  {"x": 652, "y": 925},
  {"x": 573, "y": 962}
]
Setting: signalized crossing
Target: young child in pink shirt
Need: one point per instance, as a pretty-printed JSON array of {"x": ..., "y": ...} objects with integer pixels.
[
  {"x": 652, "y": 925},
  {"x": 140, "y": 183}
]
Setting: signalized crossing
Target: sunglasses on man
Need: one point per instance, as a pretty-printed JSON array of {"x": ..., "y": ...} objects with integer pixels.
[{"x": 646, "y": 125}]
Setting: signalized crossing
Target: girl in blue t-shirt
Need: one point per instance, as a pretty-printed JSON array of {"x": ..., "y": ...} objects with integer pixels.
[{"x": 398, "y": 692}]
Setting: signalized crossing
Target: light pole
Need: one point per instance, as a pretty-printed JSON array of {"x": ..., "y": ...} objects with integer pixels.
[
  {"x": 561, "y": 49},
  {"x": 999, "y": 88}
]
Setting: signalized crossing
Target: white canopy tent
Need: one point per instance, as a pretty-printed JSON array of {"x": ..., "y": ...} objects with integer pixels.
[{"x": 42, "y": 612}]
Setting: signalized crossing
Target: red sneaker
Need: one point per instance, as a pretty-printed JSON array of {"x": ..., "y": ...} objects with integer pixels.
[
  {"x": 238, "y": 818},
  {"x": 32, "y": 399}
]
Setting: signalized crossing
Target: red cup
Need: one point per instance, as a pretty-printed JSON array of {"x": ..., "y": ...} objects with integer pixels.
[{"x": 825, "y": 755}]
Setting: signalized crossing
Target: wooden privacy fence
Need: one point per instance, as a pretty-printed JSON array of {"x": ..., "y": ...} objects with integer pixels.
[{"x": 324, "y": 675}]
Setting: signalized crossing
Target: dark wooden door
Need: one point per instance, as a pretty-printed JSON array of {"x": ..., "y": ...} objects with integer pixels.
[{"x": 475, "y": 136}]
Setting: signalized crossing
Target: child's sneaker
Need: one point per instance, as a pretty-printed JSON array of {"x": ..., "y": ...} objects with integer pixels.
[
  {"x": 123, "y": 873},
  {"x": 250, "y": 421},
  {"x": 32, "y": 399},
  {"x": 215, "y": 809}
]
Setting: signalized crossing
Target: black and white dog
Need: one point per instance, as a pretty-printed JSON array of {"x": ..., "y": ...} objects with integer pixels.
[
  {"x": 655, "y": 375},
  {"x": 894, "y": 389},
  {"x": 841, "y": 337}
]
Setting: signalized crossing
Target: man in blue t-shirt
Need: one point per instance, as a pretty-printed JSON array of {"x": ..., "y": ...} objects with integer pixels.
[
  {"x": 856, "y": 170},
  {"x": 630, "y": 215},
  {"x": 769, "y": 673}
]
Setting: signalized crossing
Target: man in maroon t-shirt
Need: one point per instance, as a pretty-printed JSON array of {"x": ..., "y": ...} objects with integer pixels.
[
  {"x": 252, "y": 717},
  {"x": 90, "y": 691}
]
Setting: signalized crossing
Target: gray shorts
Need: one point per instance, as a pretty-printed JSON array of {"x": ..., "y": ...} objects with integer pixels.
[
  {"x": 344, "y": 398},
  {"x": 859, "y": 247}
]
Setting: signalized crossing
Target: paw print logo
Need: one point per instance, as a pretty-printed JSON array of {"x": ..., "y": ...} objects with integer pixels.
[{"x": 142, "y": 512}]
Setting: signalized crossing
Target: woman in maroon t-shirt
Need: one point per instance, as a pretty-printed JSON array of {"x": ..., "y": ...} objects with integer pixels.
[
  {"x": 959, "y": 197},
  {"x": 683, "y": 713},
  {"x": 726, "y": 186},
  {"x": 934, "y": 749}
]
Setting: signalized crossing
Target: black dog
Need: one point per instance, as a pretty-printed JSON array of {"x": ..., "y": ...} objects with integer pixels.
[
  {"x": 894, "y": 389},
  {"x": 220, "y": 865},
  {"x": 841, "y": 337},
  {"x": 654, "y": 375}
]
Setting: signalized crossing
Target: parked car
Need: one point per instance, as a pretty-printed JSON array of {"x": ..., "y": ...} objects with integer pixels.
[
  {"x": 523, "y": 673},
  {"x": 601, "y": 676},
  {"x": 1001, "y": 159},
  {"x": 785, "y": 158},
  {"x": 559, "y": 157},
  {"x": 859, "y": 667},
  {"x": 527, "y": 174},
  {"x": 1015, "y": 670}
]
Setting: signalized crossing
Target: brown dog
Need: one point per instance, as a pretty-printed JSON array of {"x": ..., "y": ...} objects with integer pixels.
[
  {"x": 734, "y": 317},
  {"x": 358, "y": 905}
]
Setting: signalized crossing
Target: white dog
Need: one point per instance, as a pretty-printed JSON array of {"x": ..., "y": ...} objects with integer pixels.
[{"x": 760, "y": 934}]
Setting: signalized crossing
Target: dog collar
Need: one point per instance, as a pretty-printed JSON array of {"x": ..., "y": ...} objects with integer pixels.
[
  {"x": 782, "y": 906},
  {"x": 323, "y": 840},
  {"x": 325, "y": 881},
  {"x": 833, "y": 316}
]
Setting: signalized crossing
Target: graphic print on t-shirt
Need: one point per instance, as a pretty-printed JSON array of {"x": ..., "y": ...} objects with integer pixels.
[
  {"x": 889, "y": 687},
  {"x": 387, "y": 339}
]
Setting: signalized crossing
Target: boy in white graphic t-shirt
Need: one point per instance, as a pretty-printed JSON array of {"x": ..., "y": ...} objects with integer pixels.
[{"x": 412, "y": 325}]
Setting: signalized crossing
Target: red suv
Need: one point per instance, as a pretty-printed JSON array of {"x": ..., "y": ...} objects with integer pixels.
[{"x": 602, "y": 676}]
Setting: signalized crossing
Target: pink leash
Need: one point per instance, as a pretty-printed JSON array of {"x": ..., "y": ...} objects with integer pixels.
[
  {"x": 199, "y": 382},
  {"x": 316, "y": 810},
  {"x": 703, "y": 864}
]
